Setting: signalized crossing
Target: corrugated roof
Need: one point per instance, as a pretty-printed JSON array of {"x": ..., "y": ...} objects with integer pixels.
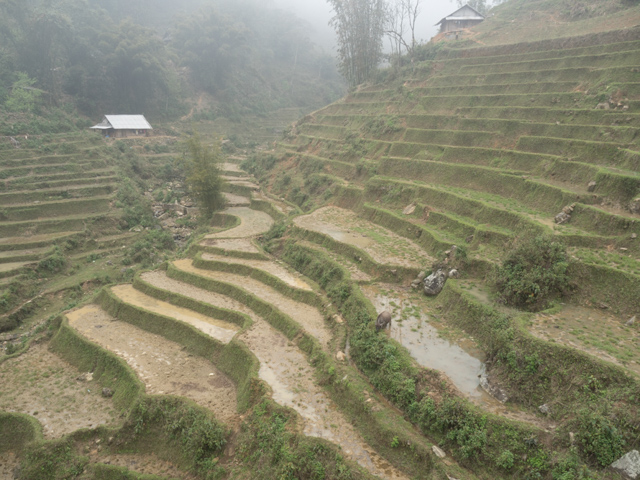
[
  {"x": 124, "y": 122},
  {"x": 463, "y": 14}
]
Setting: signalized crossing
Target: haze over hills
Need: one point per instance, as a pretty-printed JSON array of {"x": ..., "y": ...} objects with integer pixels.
[{"x": 485, "y": 193}]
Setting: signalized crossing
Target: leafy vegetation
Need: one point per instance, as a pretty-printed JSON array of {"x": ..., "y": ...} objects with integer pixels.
[
  {"x": 533, "y": 273},
  {"x": 202, "y": 173}
]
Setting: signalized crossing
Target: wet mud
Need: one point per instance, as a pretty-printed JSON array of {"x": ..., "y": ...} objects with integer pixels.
[
  {"x": 222, "y": 331},
  {"x": 307, "y": 316},
  {"x": 274, "y": 268},
  {"x": 288, "y": 373},
  {"x": 252, "y": 223}
]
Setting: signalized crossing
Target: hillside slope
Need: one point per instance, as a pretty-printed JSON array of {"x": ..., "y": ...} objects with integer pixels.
[{"x": 470, "y": 156}]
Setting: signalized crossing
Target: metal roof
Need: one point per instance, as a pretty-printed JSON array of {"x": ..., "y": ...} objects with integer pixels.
[
  {"x": 463, "y": 14},
  {"x": 124, "y": 122}
]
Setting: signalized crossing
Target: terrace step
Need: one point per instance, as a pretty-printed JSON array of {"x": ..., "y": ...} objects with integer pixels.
[
  {"x": 52, "y": 209},
  {"x": 52, "y": 194},
  {"x": 33, "y": 241}
]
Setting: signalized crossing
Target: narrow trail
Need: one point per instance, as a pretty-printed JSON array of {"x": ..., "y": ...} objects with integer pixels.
[
  {"x": 163, "y": 366},
  {"x": 287, "y": 371}
]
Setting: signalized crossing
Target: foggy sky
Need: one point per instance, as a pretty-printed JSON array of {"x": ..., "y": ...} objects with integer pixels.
[{"x": 318, "y": 13}]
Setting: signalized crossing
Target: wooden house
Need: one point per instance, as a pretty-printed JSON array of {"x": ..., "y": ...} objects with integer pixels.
[
  {"x": 119, "y": 126},
  {"x": 465, "y": 17}
]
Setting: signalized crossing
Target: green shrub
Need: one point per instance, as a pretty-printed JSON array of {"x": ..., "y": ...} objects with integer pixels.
[
  {"x": 533, "y": 273},
  {"x": 599, "y": 438}
]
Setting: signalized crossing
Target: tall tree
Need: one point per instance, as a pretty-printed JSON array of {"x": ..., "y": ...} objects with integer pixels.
[
  {"x": 402, "y": 16},
  {"x": 360, "y": 28},
  {"x": 203, "y": 175}
]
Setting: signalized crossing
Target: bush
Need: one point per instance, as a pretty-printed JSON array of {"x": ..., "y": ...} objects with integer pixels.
[{"x": 533, "y": 273}]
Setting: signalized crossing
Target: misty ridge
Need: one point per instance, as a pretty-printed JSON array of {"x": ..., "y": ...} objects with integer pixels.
[{"x": 248, "y": 56}]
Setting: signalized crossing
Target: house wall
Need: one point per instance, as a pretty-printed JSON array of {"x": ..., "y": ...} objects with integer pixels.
[{"x": 454, "y": 25}]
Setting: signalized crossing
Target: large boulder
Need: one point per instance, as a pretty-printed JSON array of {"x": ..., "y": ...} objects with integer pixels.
[
  {"x": 629, "y": 464},
  {"x": 434, "y": 283}
]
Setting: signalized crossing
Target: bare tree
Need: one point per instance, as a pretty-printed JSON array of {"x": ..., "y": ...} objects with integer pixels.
[
  {"x": 360, "y": 28},
  {"x": 401, "y": 25}
]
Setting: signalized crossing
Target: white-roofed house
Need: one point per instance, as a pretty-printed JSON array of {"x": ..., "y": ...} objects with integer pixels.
[
  {"x": 119, "y": 126},
  {"x": 465, "y": 17}
]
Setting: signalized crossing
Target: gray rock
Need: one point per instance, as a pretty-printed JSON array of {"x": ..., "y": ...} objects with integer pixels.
[
  {"x": 631, "y": 321},
  {"x": 85, "y": 377},
  {"x": 409, "y": 209},
  {"x": 562, "y": 217},
  {"x": 434, "y": 283},
  {"x": 107, "y": 393},
  {"x": 454, "y": 273},
  {"x": 634, "y": 206},
  {"x": 493, "y": 390},
  {"x": 572, "y": 439},
  {"x": 438, "y": 451},
  {"x": 634, "y": 236},
  {"x": 544, "y": 409},
  {"x": 421, "y": 276},
  {"x": 629, "y": 464},
  {"x": 592, "y": 186}
]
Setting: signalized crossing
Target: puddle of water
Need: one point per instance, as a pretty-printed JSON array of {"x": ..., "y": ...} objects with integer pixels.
[
  {"x": 222, "y": 331},
  {"x": 423, "y": 342}
]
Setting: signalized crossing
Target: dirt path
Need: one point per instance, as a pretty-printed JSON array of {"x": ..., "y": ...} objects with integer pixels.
[
  {"x": 218, "y": 329},
  {"x": 268, "y": 266},
  {"x": 252, "y": 223},
  {"x": 286, "y": 370},
  {"x": 163, "y": 366},
  {"x": 307, "y": 316},
  {"x": 383, "y": 245},
  {"x": 41, "y": 384}
]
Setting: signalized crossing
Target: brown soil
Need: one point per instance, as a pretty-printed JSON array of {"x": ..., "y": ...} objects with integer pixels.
[
  {"x": 148, "y": 464},
  {"x": 218, "y": 329},
  {"x": 8, "y": 464},
  {"x": 41, "y": 384},
  {"x": 286, "y": 370},
  {"x": 252, "y": 223},
  {"x": 383, "y": 245},
  {"x": 231, "y": 244},
  {"x": 163, "y": 366},
  {"x": 274, "y": 268},
  {"x": 308, "y": 317}
]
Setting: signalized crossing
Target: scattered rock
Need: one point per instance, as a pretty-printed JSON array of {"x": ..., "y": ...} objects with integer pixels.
[
  {"x": 434, "y": 283},
  {"x": 592, "y": 186},
  {"x": 409, "y": 209},
  {"x": 634, "y": 206},
  {"x": 603, "y": 106},
  {"x": 544, "y": 409},
  {"x": 394, "y": 272},
  {"x": 631, "y": 321},
  {"x": 85, "y": 377},
  {"x": 572, "y": 439},
  {"x": 562, "y": 218},
  {"x": 422, "y": 275},
  {"x": 107, "y": 393},
  {"x": 454, "y": 273},
  {"x": 469, "y": 239},
  {"x": 338, "y": 318},
  {"x": 569, "y": 209},
  {"x": 438, "y": 451},
  {"x": 634, "y": 236},
  {"x": 629, "y": 464},
  {"x": 341, "y": 357},
  {"x": 493, "y": 390}
]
